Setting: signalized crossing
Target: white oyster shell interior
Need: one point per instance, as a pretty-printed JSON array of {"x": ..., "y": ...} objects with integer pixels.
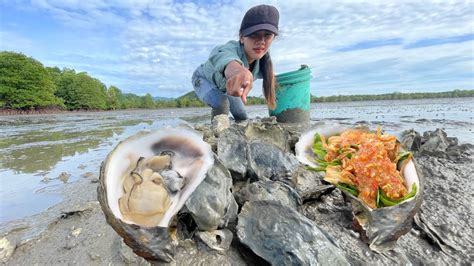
[
  {"x": 192, "y": 159},
  {"x": 304, "y": 146}
]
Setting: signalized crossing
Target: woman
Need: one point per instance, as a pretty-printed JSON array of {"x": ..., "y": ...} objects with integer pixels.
[{"x": 226, "y": 78}]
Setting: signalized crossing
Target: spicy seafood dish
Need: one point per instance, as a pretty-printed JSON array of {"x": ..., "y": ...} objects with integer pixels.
[
  {"x": 375, "y": 173},
  {"x": 365, "y": 164}
]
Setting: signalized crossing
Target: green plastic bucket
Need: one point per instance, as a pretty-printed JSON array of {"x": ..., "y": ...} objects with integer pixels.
[{"x": 293, "y": 96}]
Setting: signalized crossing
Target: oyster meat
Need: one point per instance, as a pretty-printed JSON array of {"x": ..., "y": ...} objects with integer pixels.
[
  {"x": 381, "y": 226},
  {"x": 146, "y": 180}
]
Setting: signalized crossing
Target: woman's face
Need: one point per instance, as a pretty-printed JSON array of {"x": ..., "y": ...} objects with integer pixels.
[{"x": 257, "y": 44}]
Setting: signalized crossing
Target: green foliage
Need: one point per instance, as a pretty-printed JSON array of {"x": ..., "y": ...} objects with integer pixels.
[
  {"x": 189, "y": 99},
  {"x": 147, "y": 101},
  {"x": 393, "y": 96},
  {"x": 255, "y": 100},
  {"x": 81, "y": 91},
  {"x": 165, "y": 104},
  {"x": 114, "y": 98},
  {"x": 188, "y": 102},
  {"x": 66, "y": 89},
  {"x": 55, "y": 73},
  {"x": 189, "y": 95},
  {"x": 91, "y": 93},
  {"x": 25, "y": 83}
]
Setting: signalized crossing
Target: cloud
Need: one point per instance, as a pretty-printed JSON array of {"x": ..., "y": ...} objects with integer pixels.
[
  {"x": 79, "y": 13},
  {"x": 353, "y": 47},
  {"x": 370, "y": 44},
  {"x": 11, "y": 41},
  {"x": 439, "y": 41}
]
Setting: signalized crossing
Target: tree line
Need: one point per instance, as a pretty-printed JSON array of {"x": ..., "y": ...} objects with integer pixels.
[
  {"x": 25, "y": 84},
  {"x": 393, "y": 96}
]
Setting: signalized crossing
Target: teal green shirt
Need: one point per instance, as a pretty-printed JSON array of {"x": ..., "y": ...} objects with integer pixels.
[{"x": 220, "y": 56}]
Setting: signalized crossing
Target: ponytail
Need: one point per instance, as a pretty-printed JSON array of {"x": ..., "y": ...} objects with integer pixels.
[{"x": 269, "y": 82}]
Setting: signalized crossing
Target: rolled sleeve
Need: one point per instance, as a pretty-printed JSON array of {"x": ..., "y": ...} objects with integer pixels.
[
  {"x": 223, "y": 55},
  {"x": 213, "y": 68}
]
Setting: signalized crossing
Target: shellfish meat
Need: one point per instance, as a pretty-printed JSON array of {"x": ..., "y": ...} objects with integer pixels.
[{"x": 146, "y": 180}]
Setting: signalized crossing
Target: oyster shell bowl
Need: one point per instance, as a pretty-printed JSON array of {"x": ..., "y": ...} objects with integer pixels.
[
  {"x": 145, "y": 181},
  {"x": 380, "y": 225}
]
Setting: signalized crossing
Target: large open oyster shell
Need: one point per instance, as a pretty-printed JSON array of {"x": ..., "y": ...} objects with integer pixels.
[
  {"x": 382, "y": 226},
  {"x": 185, "y": 155}
]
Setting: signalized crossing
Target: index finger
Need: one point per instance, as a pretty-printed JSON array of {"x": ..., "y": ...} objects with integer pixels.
[{"x": 245, "y": 92}]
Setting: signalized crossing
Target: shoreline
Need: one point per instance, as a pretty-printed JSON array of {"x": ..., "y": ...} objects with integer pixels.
[{"x": 51, "y": 111}]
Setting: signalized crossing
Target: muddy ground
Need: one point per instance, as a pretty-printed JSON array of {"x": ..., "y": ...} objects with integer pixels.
[{"x": 75, "y": 231}]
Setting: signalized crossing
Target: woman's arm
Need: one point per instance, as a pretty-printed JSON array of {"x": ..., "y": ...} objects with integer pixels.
[{"x": 239, "y": 80}]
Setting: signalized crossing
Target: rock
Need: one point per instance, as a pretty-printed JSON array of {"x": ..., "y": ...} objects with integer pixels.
[
  {"x": 191, "y": 254},
  {"x": 269, "y": 190},
  {"x": 213, "y": 142},
  {"x": 88, "y": 175},
  {"x": 6, "y": 249},
  {"x": 219, "y": 240},
  {"x": 64, "y": 177},
  {"x": 205, "y": 130},
  {"x": 435, "y": 142},
  {"x": 282, "y": 236},
  {"x": 82, "y": 166},
  {"x": 309, "y": 184},
  {"x": 411, "y": 140},
  {"x": 220, "y": 123},
  {"x": 447, "y": 187},
  {"x": 212, "y": 204},
  {"x": 270, "y": 131},
  {"x": 268, "y": 162},
  {"x": 232, "y": 151},
  {"x": 94, "y": 180}
]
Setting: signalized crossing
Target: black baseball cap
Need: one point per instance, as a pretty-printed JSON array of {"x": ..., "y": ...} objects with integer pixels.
[{"x": 261, "y": 17}]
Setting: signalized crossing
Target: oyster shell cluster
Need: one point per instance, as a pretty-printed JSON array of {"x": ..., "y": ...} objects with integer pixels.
[{"x": 150, "y": 177}]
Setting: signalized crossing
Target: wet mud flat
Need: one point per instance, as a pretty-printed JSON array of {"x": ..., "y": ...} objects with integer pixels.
[
  {"x": 37, "y": 152},
  {"x": 75, "y": 231}
]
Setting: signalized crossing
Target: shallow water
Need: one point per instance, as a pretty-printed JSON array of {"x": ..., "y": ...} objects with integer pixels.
[{"x": 36, "y": 149}]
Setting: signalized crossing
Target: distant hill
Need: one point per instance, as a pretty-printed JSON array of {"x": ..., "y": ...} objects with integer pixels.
[
  {"x": 190, "y": 95},
  {"x": 158, "y": 98}
]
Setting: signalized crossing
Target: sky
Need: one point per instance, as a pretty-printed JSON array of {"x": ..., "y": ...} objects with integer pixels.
[{"x": 352, "y": 47}]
